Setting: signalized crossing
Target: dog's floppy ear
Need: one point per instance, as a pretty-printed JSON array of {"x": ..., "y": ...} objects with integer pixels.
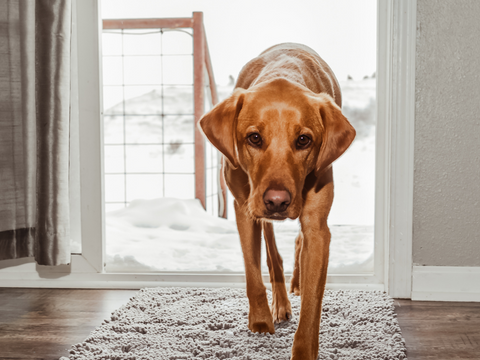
[
  {"x": 220, "y": 123},
  {"x": 338, "y": 133}
]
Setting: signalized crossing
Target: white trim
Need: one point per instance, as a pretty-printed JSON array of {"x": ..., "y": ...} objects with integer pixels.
[
  {"x": 91, "y": 132},
  {"x": 396, "y": 104},
  {"x": 382, "y": 158},
  {"x": 104, "y": 283},
  {"x": 79, "y": 274},
  {"x": 446, "y": 283},
  {"x": 74, "y": 188},
  {"x": 382, "y": 175}
]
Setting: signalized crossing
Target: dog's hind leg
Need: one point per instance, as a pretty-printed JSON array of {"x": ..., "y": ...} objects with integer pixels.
[
  {"x": 295, "y": 281},
  {"x": 281, "y": 308}
]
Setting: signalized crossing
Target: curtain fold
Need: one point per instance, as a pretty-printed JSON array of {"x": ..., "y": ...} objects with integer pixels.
[
  {"x": 35, "y": 48},
  {"x": 52, "y": 54}
]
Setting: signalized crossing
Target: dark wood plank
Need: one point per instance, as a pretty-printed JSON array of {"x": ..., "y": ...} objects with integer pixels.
[
  {"x": 44, "y": 323},
  {"x": 440, "y": 330}
]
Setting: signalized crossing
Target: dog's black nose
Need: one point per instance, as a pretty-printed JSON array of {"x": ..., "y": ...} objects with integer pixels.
[{"x": 276, "y": 200}]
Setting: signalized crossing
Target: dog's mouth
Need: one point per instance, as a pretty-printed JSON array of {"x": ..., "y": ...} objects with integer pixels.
[
  {"x": 275, "y": 216},
  {"x": 260, "y": 211}
]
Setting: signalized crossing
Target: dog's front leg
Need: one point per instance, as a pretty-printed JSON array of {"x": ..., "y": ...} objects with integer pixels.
[
  {"x": 259, "y": 318},
  {"x": 281, "y": 307},
  {"x": 313, "y": 271}
]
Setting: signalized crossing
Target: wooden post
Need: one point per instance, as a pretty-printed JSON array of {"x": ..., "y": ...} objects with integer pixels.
[
  {"x": 199, "y": 104},
  {"x": 222, "y": 192}
]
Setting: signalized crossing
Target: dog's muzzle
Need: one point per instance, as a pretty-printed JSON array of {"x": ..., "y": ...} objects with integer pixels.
[{"x": 276, "y": 201}]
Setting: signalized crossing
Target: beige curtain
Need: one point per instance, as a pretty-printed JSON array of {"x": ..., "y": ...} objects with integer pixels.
[{"x": 35, "y": 88}]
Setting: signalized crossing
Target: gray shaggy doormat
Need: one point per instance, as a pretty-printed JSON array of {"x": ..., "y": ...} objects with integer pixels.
[{"x": 194, "y": 323}]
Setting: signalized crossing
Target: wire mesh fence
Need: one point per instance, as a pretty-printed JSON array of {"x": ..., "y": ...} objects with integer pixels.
[{"x": 151, "y": 96}]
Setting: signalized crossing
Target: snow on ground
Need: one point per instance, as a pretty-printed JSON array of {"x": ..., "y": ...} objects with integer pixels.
[
  {"x": 178, "y": 235},
  {"x": 169, "y": 234}
]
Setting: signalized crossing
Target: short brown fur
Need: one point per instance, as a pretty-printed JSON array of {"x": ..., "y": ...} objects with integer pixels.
[{"x": 286, "y": 93}]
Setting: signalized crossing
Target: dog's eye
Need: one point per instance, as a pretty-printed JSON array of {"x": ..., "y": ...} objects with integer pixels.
[
  {"x": 255, "y": 139},
  {"x": 303, "y": 141}
]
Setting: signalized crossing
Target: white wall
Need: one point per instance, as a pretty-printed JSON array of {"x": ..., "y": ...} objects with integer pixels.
[{"x": 446, "y": 203}]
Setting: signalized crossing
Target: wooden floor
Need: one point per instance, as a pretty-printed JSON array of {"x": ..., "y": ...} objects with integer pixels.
[
  {"x": 44, "y": 323},
  {"x": 440, "y": 330}
]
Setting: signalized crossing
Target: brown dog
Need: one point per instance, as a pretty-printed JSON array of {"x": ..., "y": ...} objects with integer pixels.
[{"x": 280, "y": 131}]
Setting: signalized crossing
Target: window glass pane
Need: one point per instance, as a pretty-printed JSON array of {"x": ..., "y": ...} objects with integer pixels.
[
  {"x": 112, "y": 70},
  {"x": 141, "y": 129},
  {"x": 114, "y": 206},
  {"x": 177, "y": 70},
  {"x": 178, "y": 100},
  {"x": 144, "y": 158},
  {"x": 113, "y": 129},
  {"x": 114, "y": 188},
  {"x": 177, "y": 43},
  {"x": 114, "y": 159},
  {"x": 208, "y": 154},
  {"x": 112, "y": 42},
  {"x": 209, "y": 182},
  {"x": 354, "y": 171},
  {"x": 215, "y": 180},
  {"x": 112, "y": 100},
  {"x": 210, "y": 205},
  {"x": 215, "y": 155},
  {"x": 179, "y": 158},
  {"x": 215, "y": 205},
  {"x": 141, "y": 42},
  {"x": 142, "y": 70},
  {"x": 180, "y": 186},
  {"x": 179, "y": 129},
  {"x": 144, "y": 186},
  {"x": 143, "y": 100}
]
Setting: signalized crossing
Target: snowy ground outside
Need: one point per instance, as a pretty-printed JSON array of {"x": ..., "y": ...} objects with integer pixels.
[
  {"x": 178, "y": 235},
  {"x": 158, "y": 231}
]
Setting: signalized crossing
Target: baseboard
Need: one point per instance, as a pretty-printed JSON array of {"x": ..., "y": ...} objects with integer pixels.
[{"x": 446, "y": 283}]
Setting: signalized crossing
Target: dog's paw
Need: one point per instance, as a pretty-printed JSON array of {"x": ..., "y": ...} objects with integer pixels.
[
  {"x": 281, "y": 313},
  {"x": 281, "y": 308},
  {"x": 261, "y": 323},
  {"x": 262, "y": 327},
  {"x": 294, "y": 287}
]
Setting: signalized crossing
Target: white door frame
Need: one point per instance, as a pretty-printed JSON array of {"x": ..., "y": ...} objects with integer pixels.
[
  {"x": 395, "y": 135},
  {"x": 394, "y": 172}
]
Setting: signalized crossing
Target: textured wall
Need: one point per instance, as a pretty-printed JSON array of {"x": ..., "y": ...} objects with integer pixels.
[{"x": 446, "y": 216}]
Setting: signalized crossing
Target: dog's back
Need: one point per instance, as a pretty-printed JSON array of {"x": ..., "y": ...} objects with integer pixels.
[{"x": 295, "y": 62}]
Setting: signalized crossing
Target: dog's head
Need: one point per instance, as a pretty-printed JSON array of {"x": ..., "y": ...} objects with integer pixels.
[{"x": 278, "y": 132}]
